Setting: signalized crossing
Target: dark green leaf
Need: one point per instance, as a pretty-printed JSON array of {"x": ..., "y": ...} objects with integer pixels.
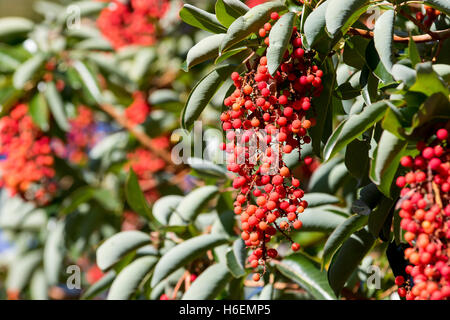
[
  {"x": 347, "y": 259},
  {"x": 342, "y": 233}
]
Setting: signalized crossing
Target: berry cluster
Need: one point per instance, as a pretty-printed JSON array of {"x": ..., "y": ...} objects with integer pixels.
[
  {"x": 133, "y": 23},
  {"x": 27, "y": 165},
  {"x": 429, "y": 17},
  {"x": 138, "y": 111},
  {"x": 274, "y": 108},
  {"x": 425, "y": 214}
]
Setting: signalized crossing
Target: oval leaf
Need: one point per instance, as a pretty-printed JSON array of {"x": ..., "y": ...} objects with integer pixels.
[
  {"x": 250, "y": 23},
  {"x": 383, "y": 38},
  {"x": 229, "y": 10},
  {"x": 202, "y": 94},
  {"x": 27, "y": 71},
  {"x": 386, "y": 160},
  {"x": 119, "y": 245},
  {"x": 353, "y": 127},
  {"x": 127, "y": 282},
  {"x": 10, "y": 26},
  {"x": 340, "y": 234},
  {"x": 201, "y": 19},
  {"x": 205, "y": 49},
  {"x": 56, "y": 105},
  {"x": 339, "y": 12},
  {"x": 164, "y": 207},
  {"x": 348, "y": 258},
  {"x": 279, "y": 38},
  {"x": 209, "y": 284},
  {"x": 315, "y": 25},
  {"x": 184, "y": 252},
  {"x": 307, "y": 274}
]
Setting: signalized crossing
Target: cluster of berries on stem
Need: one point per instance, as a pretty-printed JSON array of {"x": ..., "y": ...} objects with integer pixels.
[
  {"x": 277, "y": 110},
  {"x": 132, "y": 23},
  {"x": 425, "y": 218},
  {"x": 26, "y": 163}
]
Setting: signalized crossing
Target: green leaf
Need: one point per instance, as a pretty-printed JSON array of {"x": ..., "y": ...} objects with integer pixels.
[
  {"x": 304, "y": 271},
  {"x": 320, "y": 219},
  {"x": 191, "y": 205},
  {"x": 379, "y": 216},
  {"x": 100, "y": 286},
  {"x": 355, "y": 126},
  {"x": 315, "y": 25},
  {"x": 316, "y": 199},
  {"x": 164, "y": 207},
  {"x": 386, "y": 161},
  {"x": 279, "y": 39},
  {"x": 357, "y": 158},
  {"x": 229, "y": 10},
  {"x": 236, "y": 258},
  {"x": 428, "y": 81},
  {"x": 414, "y": 54},
  {"x": 375, "y": 65},
  {"x": 347, "y": 259},
  {"x": 118, "y": 246},
  {"x": 135, "y": 196},
  {"x": 368, "y": 198},
  {"x": 354, "y": 51},
  {"x": 13, "y": 26},
  {"x": 27, "y": 70},
  {"x": 128, "y": 280},
  {"x": 24, "y": 267},
  {"x": 205, "y": 49},
  {"x": 39, "y": 111},
  {"x": 323, "y": 106},
  {"x": 242, "y": 51},
  {"x": 403, "y": 73},
  {"x": 436, "y": 106},
  {"x": 441, "y": 5},
  {"x": 54, "y": 253},
  {"x": 56, "y": 105},
  {"x": 250, "y": 23},
  {"x": 346, "y": 91},
  {"x": 38, "y": 286},
  {"x": 207, "y": 167},
  {"x": 209, "y": 284},
  {"x": 319, "y": 179},
  {"x": 383, "y": 38},
  {"x": 89, "y": 81},
  {"x": 267, "y": 292},
  {"x": 182, "y": 253},
  {"x": 342, "y": 233},
  {"x": 341, "y": 14},
  {"x": 202, "y": 93},
  {"x": 201, "y": 19},
  {"x": 443, "y": 70}
]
